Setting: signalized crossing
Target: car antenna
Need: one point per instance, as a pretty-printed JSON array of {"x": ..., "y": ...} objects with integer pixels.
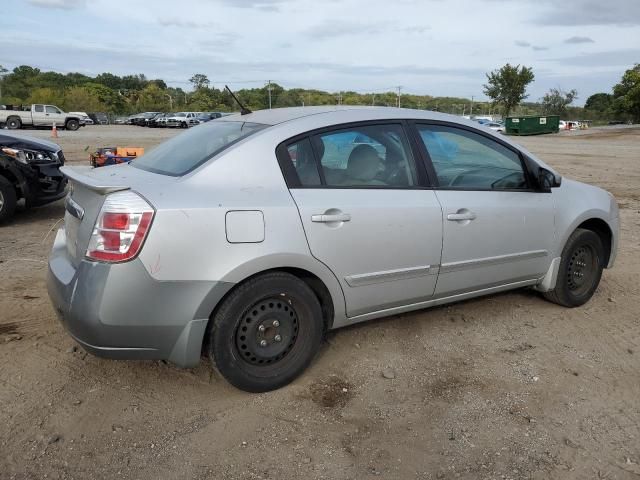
[{"x": 243, "y": 110}]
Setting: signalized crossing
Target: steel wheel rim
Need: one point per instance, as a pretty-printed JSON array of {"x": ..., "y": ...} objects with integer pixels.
[
  {"x": 1, "y": 201},
  {"x": 582, "y": 268},
  {"x": 267, "y": 332}
]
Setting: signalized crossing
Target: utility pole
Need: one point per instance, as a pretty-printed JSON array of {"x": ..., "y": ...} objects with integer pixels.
[
  {"x": 170, "y": 101},
  {"x": 373, "y": 101},
  {"x": 269, "y": 89},
  {"x": 471, "y": 110},
  {"x": 340, "y": 98},
  {"x": 399, "y": 87}
]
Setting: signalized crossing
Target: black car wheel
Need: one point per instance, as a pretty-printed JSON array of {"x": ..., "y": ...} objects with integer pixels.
[
  {"x": 72, "y": 125},
  {"x": 580, "y": 269},
  {"x": 266, "y": 332},
  {"x": 14, "y": 123},
  {"x": 8, "y": 199}
]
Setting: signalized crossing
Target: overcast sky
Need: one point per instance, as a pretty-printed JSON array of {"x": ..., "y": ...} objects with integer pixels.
[{"x": 434, "y": 47}]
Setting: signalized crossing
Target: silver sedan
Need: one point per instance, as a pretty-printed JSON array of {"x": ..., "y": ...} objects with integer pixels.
[{"x": 248, "y": 237}]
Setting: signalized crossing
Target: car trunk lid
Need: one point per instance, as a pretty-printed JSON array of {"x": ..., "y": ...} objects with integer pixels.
[{"x": 89, "y": 189}]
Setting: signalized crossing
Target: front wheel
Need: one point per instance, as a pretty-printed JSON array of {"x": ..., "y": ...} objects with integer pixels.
[
  {"x": 580, "y": 269},
  {"x": 72, "y": 125},
  {"x": 266, "y": 332}
]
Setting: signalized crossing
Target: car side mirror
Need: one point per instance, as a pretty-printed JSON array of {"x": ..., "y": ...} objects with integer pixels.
[{"x": 548, "y": 180}]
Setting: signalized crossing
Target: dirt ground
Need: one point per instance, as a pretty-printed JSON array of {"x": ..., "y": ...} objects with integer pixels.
[{"x": 503, "y": 387}]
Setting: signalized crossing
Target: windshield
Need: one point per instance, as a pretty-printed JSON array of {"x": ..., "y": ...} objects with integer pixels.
[{"x": 191, "y": 149}]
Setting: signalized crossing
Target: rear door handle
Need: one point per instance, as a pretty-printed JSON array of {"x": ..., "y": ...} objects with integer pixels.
[
  {"x": 324, "y": 218},
  {"x": 457, "y": 217}
]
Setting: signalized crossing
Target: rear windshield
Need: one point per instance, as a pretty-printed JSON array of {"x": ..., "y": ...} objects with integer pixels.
[{"x": 191, "y": 149}]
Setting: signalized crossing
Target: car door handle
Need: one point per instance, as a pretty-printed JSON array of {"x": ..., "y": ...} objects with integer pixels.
[
  {"x": 325, "y": 218},
  {"x": 457, "y": 217}
]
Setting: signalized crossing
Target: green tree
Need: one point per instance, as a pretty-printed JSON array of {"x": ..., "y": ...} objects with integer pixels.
[
  {"x": 556, "y": 101},
  {"x": 83, "y": 99},
  {"x": 626, "y": 94},
  {"x": 199, "y": 80},
  {"x": 507, "y": 86},
  {"x": 46, "y": 95},
  {"x": 599, "y": 102},
  {"x": 153, "y": 99},
  {"x": 2, "y": 73}
]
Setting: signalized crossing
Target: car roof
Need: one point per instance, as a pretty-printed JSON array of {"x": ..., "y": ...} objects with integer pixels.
[{"x": 337, "y": 114}]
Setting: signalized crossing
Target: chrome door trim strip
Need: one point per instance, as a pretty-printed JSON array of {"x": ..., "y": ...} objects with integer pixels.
[
  {"x": 390, "y": 275},
  {"x": 488, "y": 261}
]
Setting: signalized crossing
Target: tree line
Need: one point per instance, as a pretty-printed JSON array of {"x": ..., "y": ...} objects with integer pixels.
[
  {"x": 121, "y": 95},
  {"x": 507, "y": 87}
]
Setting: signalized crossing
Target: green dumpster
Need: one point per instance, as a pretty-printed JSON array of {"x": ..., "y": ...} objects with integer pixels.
[{"x": 532, "y": 125}]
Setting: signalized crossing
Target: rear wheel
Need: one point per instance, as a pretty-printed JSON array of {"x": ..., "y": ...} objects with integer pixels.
[
  {"x": 72, "y": 125},
  {"x": 266, "y": 332},
  {"x": 8, "y": 199},
  {"x": 580, "y": 269},
  {"x": 14, "y": 123}
]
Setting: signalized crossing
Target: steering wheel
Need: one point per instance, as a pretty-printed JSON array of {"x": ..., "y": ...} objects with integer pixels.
[
  {"x": 455, "y": 179},
  {"x": 501, "y": 181}
]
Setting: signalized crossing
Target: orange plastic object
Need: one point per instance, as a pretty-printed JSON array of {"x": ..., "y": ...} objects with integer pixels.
[{"x": 129, "y": 151}]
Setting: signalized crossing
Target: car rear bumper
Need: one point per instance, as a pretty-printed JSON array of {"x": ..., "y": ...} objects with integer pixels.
[{"x": 119, "y": 311}]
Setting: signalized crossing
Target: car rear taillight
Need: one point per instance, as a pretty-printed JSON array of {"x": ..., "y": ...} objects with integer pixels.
[{"x": 121, "y": 228}]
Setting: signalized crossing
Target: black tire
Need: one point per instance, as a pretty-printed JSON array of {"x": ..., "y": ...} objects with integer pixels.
[
  {"x": 580, "y": 269},
  {"x": 14, "y": 123},
  {"x": 243, "y": 342},
  {"x": 72, "y": 125},
  {"x": 8, "y": 199}
]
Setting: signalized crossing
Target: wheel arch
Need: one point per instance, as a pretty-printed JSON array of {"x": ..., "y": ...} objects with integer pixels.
[
  {"x": 14, "y": 117},
  {"x": 15, "y": 181},
  {"x": 331, "y": 306},
  {"x": 69, "y": 119},
  {"x": 604, "y": 231}
]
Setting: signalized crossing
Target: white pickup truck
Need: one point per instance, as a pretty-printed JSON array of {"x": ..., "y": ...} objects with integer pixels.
[{"x": 38, "y": 115}]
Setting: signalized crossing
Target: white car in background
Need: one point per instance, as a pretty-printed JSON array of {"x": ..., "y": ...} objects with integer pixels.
[
  {"x": 182, "y": 119},
  {"x": 495, "y": 126}
]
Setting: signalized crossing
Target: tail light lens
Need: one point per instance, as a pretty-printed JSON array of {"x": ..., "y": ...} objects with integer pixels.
[{"x": 121, "y": 228}]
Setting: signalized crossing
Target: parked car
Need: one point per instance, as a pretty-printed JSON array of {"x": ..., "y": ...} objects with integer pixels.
[
  {"x": 157, "y": 120},
  {"x": 207, "y": 116},
  {"x": 84, "y": 116},
  {"x": 143, "y": 119},
  {"x": 100, "y": 118},
  {"x": 254, "y": 234},
  {"x": 495, "y": 126},
  {"x": 121, "y": 120},
  {"x": 39, "y": 115},
  {"x": 29, "y": 171},
  {"x": 133, "y": 119},
  {"x": 182, "y": 120}
]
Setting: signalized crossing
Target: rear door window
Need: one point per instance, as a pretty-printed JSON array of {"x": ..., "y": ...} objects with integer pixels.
[
  {"x": 366, "y": 156},
  {"x": 301, "y": 157}
]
